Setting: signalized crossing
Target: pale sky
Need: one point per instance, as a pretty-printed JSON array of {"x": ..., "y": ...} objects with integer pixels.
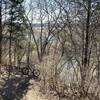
[{"x": 33, "y": 11}]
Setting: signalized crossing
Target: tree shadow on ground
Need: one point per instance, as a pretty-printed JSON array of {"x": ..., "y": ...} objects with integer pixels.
[{"x": 14, "y": 88}]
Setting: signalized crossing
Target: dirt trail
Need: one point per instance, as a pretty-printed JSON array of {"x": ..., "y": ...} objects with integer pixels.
[{"x": 33, "y": 93}]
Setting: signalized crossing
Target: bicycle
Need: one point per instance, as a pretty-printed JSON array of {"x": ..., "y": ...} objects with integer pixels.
[{"x": 31, "y": 71}]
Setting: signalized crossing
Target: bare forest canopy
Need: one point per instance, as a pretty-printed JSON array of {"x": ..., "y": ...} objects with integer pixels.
[{"x": 61, "y": 38}]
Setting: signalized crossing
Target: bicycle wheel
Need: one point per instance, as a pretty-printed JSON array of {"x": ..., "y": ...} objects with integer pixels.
[
  {"x": 36, "y": 72},
  {"x": 25, "y": 71}
]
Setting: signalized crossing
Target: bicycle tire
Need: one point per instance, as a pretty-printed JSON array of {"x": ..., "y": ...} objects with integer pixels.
[
  {"x": 36, "y": 72},
  {"x": 25, "y": 71}
]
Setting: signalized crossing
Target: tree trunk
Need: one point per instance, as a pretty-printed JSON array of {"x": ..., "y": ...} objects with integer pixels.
[
  {"x": 10, "y": 43},
  {"x": 0, "y": 31},
  {"x": 85, "y": 64}
]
